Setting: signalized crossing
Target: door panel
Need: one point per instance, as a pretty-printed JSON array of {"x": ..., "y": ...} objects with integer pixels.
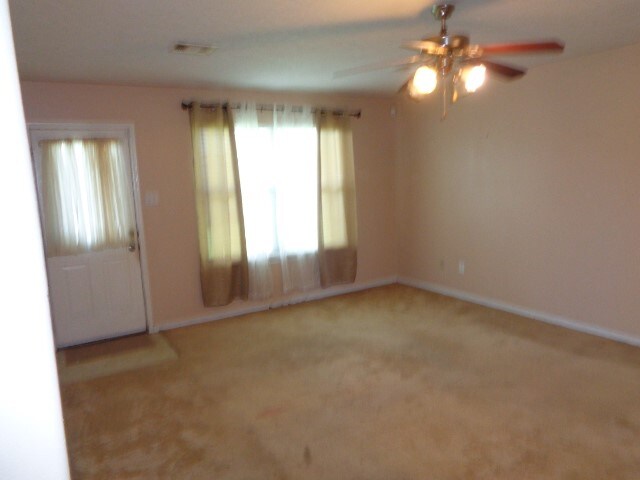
[
  {"x": 98, "y": 294},
  {"x": 95, "y": 296}
]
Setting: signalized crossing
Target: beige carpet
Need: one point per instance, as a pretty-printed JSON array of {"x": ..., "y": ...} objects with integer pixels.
[
  {"x": 387, "y": 384},
  {"x": 109, "y": 357}
]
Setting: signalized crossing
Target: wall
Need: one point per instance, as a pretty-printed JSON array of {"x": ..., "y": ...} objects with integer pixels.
[
  {"x": 32, "y": 443},
  {"x": 535, "y": 185},
  {"x": 164, "y": 159}
]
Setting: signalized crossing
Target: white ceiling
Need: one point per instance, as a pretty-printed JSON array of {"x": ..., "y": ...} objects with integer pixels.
[{"x": 286, "y": 44}]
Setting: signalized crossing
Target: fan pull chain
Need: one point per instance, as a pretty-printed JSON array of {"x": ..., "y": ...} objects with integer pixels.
[{"x": 444, "y": 102}]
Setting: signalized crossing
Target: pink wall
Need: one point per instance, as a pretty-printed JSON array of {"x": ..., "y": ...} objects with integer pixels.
[
  {"x": 164, "y": 159},
  {"x": 536, "y": 186}
]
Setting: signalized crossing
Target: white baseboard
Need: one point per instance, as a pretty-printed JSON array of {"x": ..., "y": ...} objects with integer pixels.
[
  {"x": 524, "y": 312},
  {"x": 297, "y": 298}
]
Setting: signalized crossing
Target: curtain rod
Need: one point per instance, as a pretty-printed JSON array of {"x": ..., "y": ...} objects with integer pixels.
[{"x": 270, "y": 108}]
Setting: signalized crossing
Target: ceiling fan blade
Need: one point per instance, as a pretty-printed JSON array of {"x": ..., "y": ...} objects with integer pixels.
[
  {"x": 405, "y": 86},
  {"x": 501, "y": 69},
  {"x": 516, "y": 48},
  {"x": 408, "y": 61},
  {"x": 425, "y": 46},
  {"x": 426, "y": 61}
]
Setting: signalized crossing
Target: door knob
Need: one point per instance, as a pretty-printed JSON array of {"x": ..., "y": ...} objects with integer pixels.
[{"x": 132, "y": 240}]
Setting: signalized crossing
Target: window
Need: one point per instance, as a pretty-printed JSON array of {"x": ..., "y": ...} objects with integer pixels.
[
  {"x": 85, "y": 191},
  {"x": 279, "y": 177},
  {"x": 275, "y": 197}
]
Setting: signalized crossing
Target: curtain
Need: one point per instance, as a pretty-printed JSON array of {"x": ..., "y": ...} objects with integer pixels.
[
  {"x": 223, "y": 260},
  {"x": 292, "y": 225},
  {"x": 257, "y": 202},
  {"x": 87, "y": 205},
  {"x": 337, "y": 201},
  {"x": 277, "y": 156}
]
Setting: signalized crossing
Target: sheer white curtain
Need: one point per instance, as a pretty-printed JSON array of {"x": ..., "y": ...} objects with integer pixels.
[
  {"x": 86, "y": 201},
  {"x": 278, "y": 165},
  {"x": 254, "y": 166}
]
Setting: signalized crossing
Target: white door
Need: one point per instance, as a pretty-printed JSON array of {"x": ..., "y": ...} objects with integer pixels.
[{"x": 85, "y": 189}]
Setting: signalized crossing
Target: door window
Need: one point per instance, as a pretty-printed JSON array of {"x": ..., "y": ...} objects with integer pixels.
[{"x": 85, "y": 197}]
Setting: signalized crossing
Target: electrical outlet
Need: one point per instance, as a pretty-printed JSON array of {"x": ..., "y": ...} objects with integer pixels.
[{"x": 461, "y": 267}]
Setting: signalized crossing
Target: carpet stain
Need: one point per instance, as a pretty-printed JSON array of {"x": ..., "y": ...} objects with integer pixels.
[
  {"x": 307, "y": 456},
  {"x": 271, "y": 412}
]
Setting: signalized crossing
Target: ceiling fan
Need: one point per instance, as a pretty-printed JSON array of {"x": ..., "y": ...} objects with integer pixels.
[{"x": 453, "y": 62}]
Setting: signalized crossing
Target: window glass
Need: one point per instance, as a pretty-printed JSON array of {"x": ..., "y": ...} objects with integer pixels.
[{"x": 278, "y": 177}]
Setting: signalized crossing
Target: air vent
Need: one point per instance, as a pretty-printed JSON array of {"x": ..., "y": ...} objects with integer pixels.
[{"x": 193, "y": 48}]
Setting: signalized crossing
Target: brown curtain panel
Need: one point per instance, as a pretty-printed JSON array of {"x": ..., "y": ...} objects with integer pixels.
[
  {"x": 336, "y": 201},
  {"x": 223, "y": 256}
]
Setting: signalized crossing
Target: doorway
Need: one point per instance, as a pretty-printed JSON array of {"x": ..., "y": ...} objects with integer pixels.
[{"x": 87, "y": 198}]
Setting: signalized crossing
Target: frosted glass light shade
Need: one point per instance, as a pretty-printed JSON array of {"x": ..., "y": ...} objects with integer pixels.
[
  {"x": 424, "y": 81},
  {"x": 474, "y": 78}
]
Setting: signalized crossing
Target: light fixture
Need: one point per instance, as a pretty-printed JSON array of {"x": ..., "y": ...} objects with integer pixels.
[
  {"x": 452, "y": 64},
  {"x": 455, "y": 81},
  {"x": 473, "y": 77},
  {"x": 424, "y": 82}
]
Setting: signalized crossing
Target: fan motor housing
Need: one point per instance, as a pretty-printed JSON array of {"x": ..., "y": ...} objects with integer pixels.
[
  {"x": 451, "y": 41},
  {"x": 442, "y": 11}
]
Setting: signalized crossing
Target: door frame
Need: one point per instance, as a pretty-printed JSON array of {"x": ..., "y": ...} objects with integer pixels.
[{"x": 39, "y": 130}]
